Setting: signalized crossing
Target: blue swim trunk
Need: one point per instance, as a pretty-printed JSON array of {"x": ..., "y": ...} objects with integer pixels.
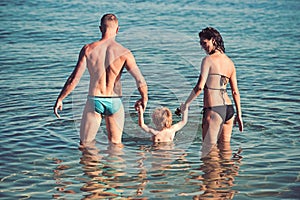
[{"x": 106, "y": 105}]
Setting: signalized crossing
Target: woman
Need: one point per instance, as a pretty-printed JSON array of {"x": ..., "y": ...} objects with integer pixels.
[{"x": 217, "y": 70}]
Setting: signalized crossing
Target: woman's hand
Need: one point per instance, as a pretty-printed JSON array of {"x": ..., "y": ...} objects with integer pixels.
[{"x": 238, "y": 119}]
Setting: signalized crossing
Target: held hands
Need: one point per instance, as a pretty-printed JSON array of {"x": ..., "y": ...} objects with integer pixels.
[
  {"x": 182, "y": 109},
  {"x": 58, "y": 105},
  {"x": 139, "y": 109},
  {"x": 140, "y": 105}
]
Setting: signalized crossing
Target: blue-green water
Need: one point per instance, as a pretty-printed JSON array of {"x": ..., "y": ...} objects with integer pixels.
[{"x": 40, "y": 159}]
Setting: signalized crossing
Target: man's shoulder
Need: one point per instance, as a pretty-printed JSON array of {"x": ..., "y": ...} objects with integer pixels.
[
  {"x": 121, "y": 50},
  {"x": 120, "y": 46},
  {"x": 87, "y": 47}
]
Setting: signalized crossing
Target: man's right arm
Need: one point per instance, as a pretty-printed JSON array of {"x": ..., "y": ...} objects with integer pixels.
[
  {"x": 71, "y": 82},
  {"x": 141, "y": 84}
]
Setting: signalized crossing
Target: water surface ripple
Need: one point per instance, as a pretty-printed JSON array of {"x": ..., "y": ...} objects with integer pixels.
[{"x": 40, "y": 42}]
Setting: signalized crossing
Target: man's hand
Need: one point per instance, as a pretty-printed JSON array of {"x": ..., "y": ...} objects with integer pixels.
[
  {"x": 140, "y": 109},
  {"x": 139, "y": 103},
  {"x": 58, "y": 105}
]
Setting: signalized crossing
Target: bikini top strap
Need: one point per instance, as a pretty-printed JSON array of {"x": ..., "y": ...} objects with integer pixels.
[
  {"x": 221, "y": 89},
  {"x": 219, "y": 75}
]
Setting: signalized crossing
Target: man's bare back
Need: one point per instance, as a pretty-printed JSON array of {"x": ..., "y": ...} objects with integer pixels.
[{"x": 105, "y": 60}]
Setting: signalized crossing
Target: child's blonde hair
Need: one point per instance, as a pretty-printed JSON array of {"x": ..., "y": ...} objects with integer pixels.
[{"x": 162, "y": 118}]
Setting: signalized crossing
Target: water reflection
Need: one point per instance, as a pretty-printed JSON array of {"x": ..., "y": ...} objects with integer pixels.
[
  {"x": 216, "y": 174},
  {"x": 162, "y": 155},
  {"x": 62, "y": 185},
  {"x": 160, "y": 164},
  {"x": 113, "y": 173},
  {"x": 104, "y": 170},
  {"x": 144, "y": 171}
]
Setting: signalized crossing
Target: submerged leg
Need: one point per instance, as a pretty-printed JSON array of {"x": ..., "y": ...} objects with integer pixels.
[
  {"x": 115, "y": 125},
  {"x": 226, "y": 131},
  {"x": 90, "y": 123},
  {"x": 212, "y": 127}
]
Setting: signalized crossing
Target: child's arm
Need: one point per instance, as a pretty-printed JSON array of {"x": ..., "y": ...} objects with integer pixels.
[
  {"x": 142, "y": 123},
  {"x": 184, "y": 119}
]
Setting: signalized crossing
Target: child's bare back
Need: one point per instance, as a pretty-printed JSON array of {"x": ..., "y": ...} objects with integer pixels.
[{"x": 164, "y": 131}]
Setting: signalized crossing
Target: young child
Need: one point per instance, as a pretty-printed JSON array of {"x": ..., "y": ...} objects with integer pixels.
[{"x": 162, "y": 118}]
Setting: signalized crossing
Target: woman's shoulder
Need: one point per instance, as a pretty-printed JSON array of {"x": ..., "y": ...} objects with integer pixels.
[
  {"x": 225, "y": 60},
  {"x": 227, "y": 57},
  {"x": 207, "y": 60}
]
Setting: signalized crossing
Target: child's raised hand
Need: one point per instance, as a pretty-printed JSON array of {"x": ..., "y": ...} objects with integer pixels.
[
  {"x": 180, "y": 110},
  {"x": 137, "y": 105}
]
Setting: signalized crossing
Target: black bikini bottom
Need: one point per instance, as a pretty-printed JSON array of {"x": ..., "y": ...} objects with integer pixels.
[{"x": 226, "y": 112}]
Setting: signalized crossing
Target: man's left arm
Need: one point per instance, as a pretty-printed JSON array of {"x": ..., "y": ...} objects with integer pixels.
[{"x": 141, "y": 84}]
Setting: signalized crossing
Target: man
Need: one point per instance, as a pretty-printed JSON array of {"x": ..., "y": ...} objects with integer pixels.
[{"x": 105, "y": 60}]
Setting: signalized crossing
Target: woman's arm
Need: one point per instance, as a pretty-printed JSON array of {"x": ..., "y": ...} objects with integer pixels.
[
  {"x": 236, "y": 98},
  {"x": 205, "y": 67}
]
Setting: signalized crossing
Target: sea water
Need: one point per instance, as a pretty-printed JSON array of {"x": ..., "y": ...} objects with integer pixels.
[{"x": 40, "y": 158}]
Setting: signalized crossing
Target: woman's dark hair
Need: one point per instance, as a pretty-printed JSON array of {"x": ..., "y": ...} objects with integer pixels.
[{"x": 211, "y": 33}]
